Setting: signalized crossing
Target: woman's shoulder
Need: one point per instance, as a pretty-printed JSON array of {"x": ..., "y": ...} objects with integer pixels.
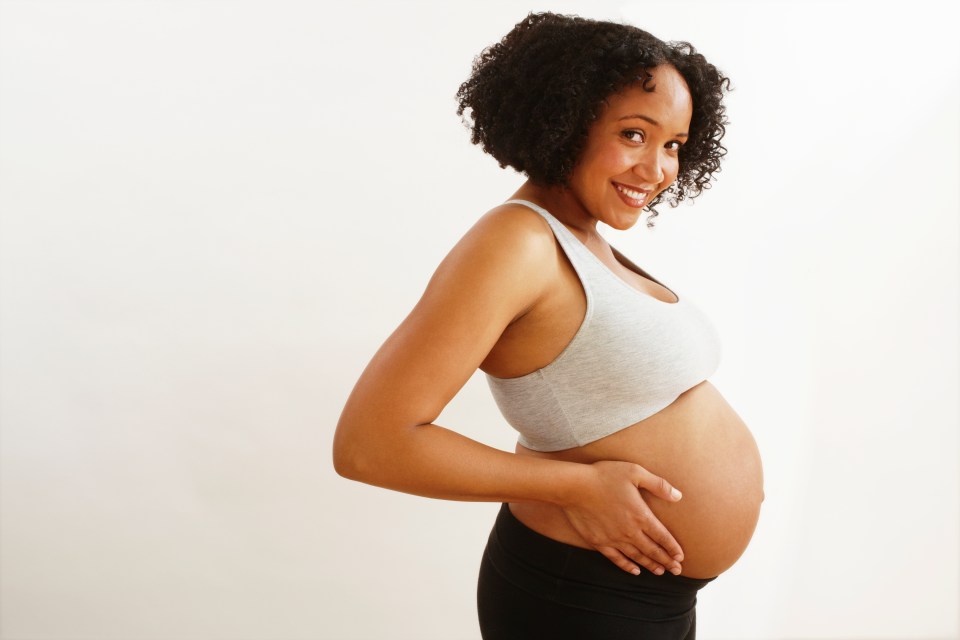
[
  {"x": 509, "y": 246},
  {"x": 516, "y": 227}
]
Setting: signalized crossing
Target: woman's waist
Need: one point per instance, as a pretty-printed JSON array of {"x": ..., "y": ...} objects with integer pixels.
[
  {"x": 583, "y": 578},
  {"x": 712, "y": 537},
  {"x": 698, "y": 445}
]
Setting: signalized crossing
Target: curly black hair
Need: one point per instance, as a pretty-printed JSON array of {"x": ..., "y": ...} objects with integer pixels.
[{"x": 532, "y": 97}]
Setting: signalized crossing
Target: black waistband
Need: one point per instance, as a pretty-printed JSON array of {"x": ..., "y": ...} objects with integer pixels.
[{"x": 582, "y": 577}]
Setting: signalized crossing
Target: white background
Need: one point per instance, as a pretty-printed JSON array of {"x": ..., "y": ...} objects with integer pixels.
[{"x": 214, "y": 212}]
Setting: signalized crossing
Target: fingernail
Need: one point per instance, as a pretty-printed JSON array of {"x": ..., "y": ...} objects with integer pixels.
[
  {"x": 678, "y": 557},
  {"x": 658, "y": 571},
  {"x": 675, "y": 494},
  {"x": 635, "y": 571},
  {"x": 675, "y": 571}
]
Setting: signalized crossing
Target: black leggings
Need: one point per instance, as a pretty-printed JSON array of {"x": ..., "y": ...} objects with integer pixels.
[{"x": 532, "y": 586}]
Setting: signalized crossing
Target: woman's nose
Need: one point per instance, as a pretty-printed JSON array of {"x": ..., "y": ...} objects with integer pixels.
[{"x": 649, "y": 168}]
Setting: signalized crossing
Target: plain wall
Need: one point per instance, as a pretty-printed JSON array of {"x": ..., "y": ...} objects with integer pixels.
[{"x": 213, "y": 213}]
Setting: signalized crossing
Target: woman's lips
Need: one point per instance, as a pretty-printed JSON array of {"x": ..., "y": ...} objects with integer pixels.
[{"x": 632, "y": 196}]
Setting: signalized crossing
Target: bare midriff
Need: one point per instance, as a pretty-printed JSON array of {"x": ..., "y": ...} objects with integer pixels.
[{"x": 701, "y": 446}]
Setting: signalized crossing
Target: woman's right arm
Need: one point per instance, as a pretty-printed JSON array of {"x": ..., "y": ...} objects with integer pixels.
[{"x": 386, "y": 435}]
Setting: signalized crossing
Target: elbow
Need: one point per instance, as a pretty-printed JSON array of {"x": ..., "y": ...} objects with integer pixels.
[
  {"x": 351, "y": 459},
  {"x": 346, "y": 461},
  {"x": 341, "y": 464},
  {"x": 346, "y": 449},
  {"x": 366, "y": 451}
]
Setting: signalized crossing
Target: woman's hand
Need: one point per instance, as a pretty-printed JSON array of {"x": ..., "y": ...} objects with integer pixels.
[{"x": 610, "y": 515}]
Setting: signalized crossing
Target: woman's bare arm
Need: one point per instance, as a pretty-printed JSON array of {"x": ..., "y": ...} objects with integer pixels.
[{"x": 386, "y": 435}]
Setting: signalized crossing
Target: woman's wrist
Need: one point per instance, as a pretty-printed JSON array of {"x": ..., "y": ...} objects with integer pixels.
[{"x": 569, "y": 483}]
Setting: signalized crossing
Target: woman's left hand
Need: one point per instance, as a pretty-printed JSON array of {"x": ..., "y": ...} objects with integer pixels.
[{"x": 609, "y": 513}]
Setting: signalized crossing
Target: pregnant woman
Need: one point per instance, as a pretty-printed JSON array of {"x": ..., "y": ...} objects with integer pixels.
[{"x": 633, "y": 483}]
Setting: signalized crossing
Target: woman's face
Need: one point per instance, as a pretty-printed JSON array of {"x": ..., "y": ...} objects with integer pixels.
[{"x": 632, "y": 149}]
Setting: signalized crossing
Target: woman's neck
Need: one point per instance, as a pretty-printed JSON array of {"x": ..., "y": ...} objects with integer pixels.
[{"x": 562, "y": 205}]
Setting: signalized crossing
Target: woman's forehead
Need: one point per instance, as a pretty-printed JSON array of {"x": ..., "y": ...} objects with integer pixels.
[{"x": 669, "y": 102}]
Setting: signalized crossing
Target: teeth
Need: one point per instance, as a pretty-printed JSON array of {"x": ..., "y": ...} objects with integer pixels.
[{"x": 636, "y": 195}]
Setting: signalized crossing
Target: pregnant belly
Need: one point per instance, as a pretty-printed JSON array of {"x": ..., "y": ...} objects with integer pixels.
[{"x": 701, "y": 446}]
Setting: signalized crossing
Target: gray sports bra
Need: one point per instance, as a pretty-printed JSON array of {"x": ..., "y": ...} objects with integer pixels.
[{"x": 631, "y": 357}]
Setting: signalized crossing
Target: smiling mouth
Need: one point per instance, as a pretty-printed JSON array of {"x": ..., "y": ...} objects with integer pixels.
[{"x": 632, "y": 197}]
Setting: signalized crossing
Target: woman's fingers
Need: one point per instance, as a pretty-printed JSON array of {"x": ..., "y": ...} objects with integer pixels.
[
  {"x": 643, "y": 559},
  {"x": 655, "y": 541},
  {"x": 657, "y": 555},
  {"x": 614, "y": 518},
  {"x": 655, "y": 530},
  {"x": 628, "y": 557},
  {"x": 657, "y": 485},
  {"x": 619, "y": 559}
]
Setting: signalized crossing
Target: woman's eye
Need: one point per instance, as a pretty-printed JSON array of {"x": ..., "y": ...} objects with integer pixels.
[
  {"x": 674, "y": 145},
  {"x": 634, "y": 135}
]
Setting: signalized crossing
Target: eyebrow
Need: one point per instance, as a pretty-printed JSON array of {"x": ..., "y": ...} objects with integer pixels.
[{"x": 651, "y": 121}]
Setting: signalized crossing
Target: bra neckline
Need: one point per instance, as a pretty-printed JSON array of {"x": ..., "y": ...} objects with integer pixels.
[{"x": 616, "y": 254}]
